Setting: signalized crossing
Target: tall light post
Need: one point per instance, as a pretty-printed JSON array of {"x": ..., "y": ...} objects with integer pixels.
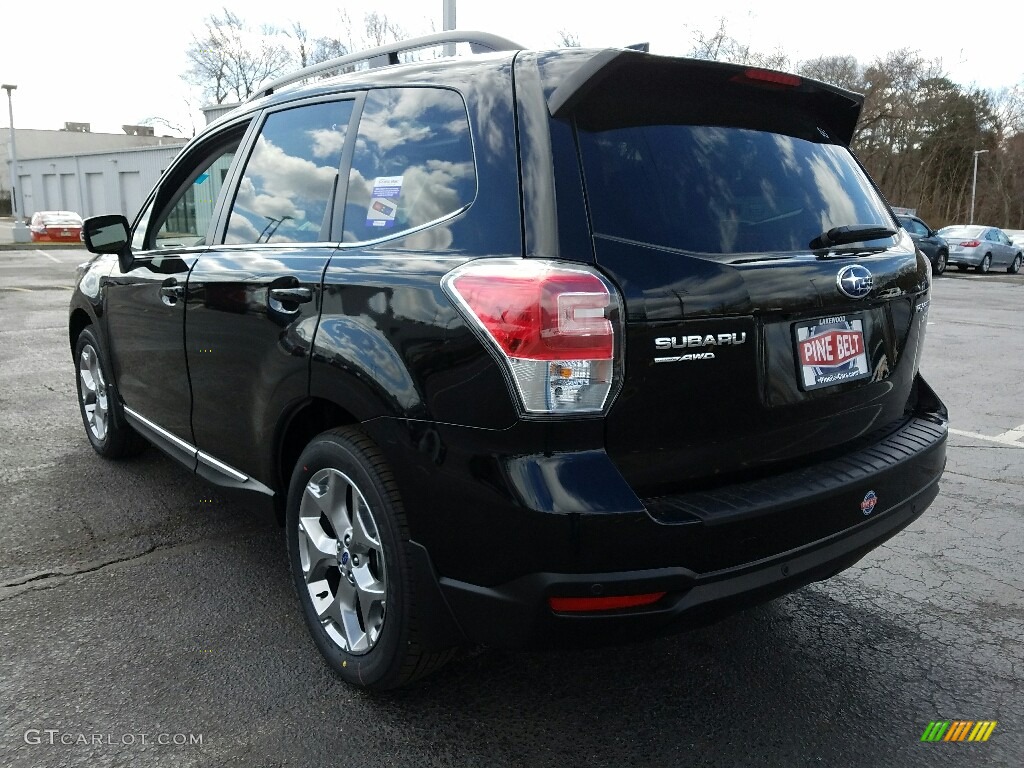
[
  {"x": 974, "y": 184},
  {"x": 21, "y": 234},
  {"x": 448, "y": 24}
]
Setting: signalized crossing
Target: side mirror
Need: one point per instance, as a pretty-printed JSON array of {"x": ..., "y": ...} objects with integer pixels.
[{"x": 109, "y": 234}]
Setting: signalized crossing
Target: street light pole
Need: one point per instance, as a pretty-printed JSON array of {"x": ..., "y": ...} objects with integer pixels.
[
  {"x": 448, "y": 23},
  {"x": 974, "y": 184},
  {"x": 21, "y": 234}
]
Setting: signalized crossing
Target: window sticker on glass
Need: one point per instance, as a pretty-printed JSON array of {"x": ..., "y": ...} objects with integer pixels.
[{"x": 384, "y": 201}]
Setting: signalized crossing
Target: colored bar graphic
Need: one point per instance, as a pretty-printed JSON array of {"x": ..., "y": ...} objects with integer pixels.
[
  {"x": 935, "y": 730},
  {"x": 959, "y": 730}
]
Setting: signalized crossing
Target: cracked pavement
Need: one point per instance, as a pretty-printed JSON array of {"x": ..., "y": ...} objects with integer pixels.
[{"x": 136, "y": 601}]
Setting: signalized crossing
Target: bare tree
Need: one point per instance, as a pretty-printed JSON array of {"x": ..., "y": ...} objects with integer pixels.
[
  {"x": 721, "y": 46},
  {"x": 567, "y": 39},
  {"x": 842, "y": 71},
  {"x": 313, "y": 50},
  {"x": 380, "y": 30},
  {"x": 230, "y": 60}
]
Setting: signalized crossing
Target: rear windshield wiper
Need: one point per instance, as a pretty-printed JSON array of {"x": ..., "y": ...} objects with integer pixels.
[{"x": 854, "y": 233}]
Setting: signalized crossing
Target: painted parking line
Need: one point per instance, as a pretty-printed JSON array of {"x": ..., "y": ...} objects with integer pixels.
[
  {"x": 1011, "y": 437},
  {"x": 51, "y": 258}
]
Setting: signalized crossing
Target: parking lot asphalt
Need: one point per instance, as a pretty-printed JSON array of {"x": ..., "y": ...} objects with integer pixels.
[{"x": 138, "y": 607}]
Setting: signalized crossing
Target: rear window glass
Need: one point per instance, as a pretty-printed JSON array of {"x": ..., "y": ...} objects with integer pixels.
[
  {"x": 961, "y": 231},
  {"x": 719, "y": 190},
  {"x": 58, "y": 218}
]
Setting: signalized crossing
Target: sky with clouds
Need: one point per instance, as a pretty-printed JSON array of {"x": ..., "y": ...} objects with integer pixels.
[{"x": 112, "y": 62}]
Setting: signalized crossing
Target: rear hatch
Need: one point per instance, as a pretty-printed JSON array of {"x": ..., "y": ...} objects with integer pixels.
[{"x": 759, "y": 332}]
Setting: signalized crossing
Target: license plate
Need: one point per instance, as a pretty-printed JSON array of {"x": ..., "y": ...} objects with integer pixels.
[
  {"x": 65, "y": 232},
  {"x": 831, "y": 350}
]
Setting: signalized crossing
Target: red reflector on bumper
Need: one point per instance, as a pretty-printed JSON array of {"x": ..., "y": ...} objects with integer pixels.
[{"x": 581, "y": 604}]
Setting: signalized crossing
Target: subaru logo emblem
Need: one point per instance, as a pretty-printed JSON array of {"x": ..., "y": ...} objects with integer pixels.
[{"x": 855, "y": 281}]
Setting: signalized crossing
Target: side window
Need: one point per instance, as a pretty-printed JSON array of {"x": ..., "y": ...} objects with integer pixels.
[
  {"x": 413, "y": 164},
  {"x": 187, "y": 220},
  {"x": 915, "y": 227},
  {"x": 289, "y": 179}
]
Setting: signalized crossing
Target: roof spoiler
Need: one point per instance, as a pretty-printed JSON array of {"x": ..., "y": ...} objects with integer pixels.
[{"x": 664, "y": 84}]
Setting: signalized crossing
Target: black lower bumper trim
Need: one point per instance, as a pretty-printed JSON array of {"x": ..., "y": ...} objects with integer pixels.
[{"x": 516, "y": 614}]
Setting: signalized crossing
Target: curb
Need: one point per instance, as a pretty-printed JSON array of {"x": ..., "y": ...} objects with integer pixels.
[{"x": 42, "y": 247}]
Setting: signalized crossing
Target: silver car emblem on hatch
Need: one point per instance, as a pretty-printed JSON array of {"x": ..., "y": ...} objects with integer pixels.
[{"x": 855, "y": 281}]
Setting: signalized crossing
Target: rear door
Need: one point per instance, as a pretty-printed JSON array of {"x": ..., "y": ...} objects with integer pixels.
[
  {"x": 1006, "y": 250},
  {"x": 750, "y": 342},
  {"x": 254, "y": 298}
]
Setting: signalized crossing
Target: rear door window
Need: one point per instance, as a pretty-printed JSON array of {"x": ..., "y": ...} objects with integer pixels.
[
  {"x": 413, "y": 163},
  {"x": 722, "y": 190}
]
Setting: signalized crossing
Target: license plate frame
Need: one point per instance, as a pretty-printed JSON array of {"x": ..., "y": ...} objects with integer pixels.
[{"x": 830, "y": 351}]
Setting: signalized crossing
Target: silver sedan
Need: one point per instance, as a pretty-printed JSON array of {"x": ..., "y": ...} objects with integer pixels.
[{"x": 984, "y": 248}]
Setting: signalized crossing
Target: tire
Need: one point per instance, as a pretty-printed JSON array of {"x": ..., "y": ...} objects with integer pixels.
[
  {"x": 99, "y": 404},
  {"x": 940, "y": 263},
  {"x": 1014, "y": 268},
  {"x": 986, "y": 263},
  {"x": 347, "y": 536}
]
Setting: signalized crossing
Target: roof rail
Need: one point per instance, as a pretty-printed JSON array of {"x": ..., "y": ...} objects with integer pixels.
[{"x": 480, "y": 42}]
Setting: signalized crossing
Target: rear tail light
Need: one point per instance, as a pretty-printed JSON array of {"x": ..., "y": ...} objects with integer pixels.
[
  {"x": 970, "y": 243},
  {"x": 554, "y": 326},
  {"x": 610, "y": 603}
]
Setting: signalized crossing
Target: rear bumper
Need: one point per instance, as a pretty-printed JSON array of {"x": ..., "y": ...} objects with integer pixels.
[
  {"x": 971, "y": 258},
  {"x": 497, "y": 535},
  {"x": 516, "y": 614}
]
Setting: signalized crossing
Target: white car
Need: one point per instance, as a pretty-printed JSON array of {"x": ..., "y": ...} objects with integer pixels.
[{"x": 1016, "y": 236}]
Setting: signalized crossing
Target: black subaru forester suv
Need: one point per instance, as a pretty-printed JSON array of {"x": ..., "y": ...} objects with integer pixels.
[{"x": 524, "y": 347}]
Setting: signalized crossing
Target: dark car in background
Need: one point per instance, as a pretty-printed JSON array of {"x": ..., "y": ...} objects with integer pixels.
[
  {"x": 525, "y": 348},
  {"x": 981, "y": 247},
  {"x": 928, "y": 240}
]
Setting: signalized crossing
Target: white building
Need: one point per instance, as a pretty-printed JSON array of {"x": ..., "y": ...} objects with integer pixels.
[
  {"x": 93, "y": 183},
  {"x": 58, "y": 169}
]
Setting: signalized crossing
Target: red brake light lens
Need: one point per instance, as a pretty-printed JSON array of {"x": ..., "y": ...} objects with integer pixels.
[
  {"x": 768, "y": 77},
  {"x": 970, "y": 243},
  {"x": 542, "y": 317},
  {"x": 611, "y": 603},
  {"x": 553, "y": 324}
]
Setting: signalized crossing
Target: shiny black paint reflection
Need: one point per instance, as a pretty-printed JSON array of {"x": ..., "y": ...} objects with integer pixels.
[
  {"x": 247, "y": 354},
  {"x": 391, "y": 343},
  {"x": 144, "y": 330}
]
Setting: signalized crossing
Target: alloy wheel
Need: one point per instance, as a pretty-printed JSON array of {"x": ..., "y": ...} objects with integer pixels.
[
  {"x": 93, "y": 392},
  {"x": 342, "y": 561}
]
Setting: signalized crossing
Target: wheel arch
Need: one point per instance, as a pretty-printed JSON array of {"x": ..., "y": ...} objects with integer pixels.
[
  {"x": 295, "y": 430},
  {"x": 79, "y": 321}
]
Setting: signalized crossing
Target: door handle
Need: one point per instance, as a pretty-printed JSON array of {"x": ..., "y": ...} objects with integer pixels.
[
  {"x": 169, "y": 294},
  {"x": 292, "y": 295}
]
